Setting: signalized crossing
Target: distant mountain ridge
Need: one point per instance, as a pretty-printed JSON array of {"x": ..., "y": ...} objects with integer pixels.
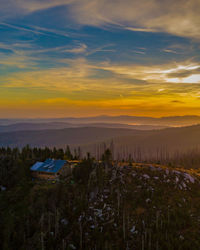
[
  {"x": 62, "y": 125},
  {"x": 123, "y": 119}
]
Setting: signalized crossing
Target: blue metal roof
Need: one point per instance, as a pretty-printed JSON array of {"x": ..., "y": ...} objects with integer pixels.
[
  {"x": 50, "y": 166},
  {"x": 36, "y": 166}
]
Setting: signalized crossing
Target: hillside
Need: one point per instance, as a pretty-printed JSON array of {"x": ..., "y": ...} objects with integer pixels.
[
  {"x": 62, "y": 125},
  {"x": 62, "y": 137},
  {"x": 183, "y": 138},
  {"x": 174, "y": 138},
  {"x": 111, "y": 207}
]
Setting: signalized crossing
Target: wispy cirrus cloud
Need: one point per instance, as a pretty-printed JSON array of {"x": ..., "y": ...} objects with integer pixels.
[
  {"x": 140, "y": 29},
  {"x": 100, "y": 56},
  {"x": 103, "y": 48},
  {"x": 11, "y": 8},
  {"x": 81, "y": 48},
  {"x": 79, "y": 74},
  {"x": 180, "y": 17},
  {"x": 37, "y": 30},
  {"x": 19, "y": 55},
  {"x": 77, "y": 85},
  {"x": 171, "y": 51},
  {"x": 139, "y": 51},
  {"x": 178, "y": 72}
]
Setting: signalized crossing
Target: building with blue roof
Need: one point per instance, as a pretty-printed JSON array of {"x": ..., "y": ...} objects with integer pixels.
[{"x": 50, "y": 169}]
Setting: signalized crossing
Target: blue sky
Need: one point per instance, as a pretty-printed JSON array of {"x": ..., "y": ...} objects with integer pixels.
[{"x": 72, "y": 57}]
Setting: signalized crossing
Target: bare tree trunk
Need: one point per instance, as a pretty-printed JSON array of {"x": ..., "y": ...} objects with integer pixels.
[
  {"x": 124, "y": 224},
  {"x": 81, "y": 236}
]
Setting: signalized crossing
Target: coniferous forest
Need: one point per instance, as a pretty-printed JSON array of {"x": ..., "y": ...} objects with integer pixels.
[{"x": 102, "y": 205}]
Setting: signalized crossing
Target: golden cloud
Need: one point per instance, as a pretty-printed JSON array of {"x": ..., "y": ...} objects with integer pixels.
[
  {"x": 75, "y": 88},
  {"x": 187, "y": 72}
]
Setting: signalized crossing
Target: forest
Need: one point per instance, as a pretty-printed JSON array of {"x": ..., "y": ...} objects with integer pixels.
[{"x": 101, "y": 205}]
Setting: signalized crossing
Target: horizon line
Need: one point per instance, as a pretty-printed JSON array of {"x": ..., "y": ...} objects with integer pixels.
[{"x": 98, "y": 116}]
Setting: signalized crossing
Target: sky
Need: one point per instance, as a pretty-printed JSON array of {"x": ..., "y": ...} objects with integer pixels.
[{"x": 62, "y": 58}]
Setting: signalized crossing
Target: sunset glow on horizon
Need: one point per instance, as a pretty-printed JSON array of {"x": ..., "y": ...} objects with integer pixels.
[{"x": 89, "y": 57}]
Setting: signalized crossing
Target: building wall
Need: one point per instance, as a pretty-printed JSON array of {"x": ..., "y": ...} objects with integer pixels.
[
  {"x": 43, "y": 175},
  {"x": 65, "y": 170}
]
